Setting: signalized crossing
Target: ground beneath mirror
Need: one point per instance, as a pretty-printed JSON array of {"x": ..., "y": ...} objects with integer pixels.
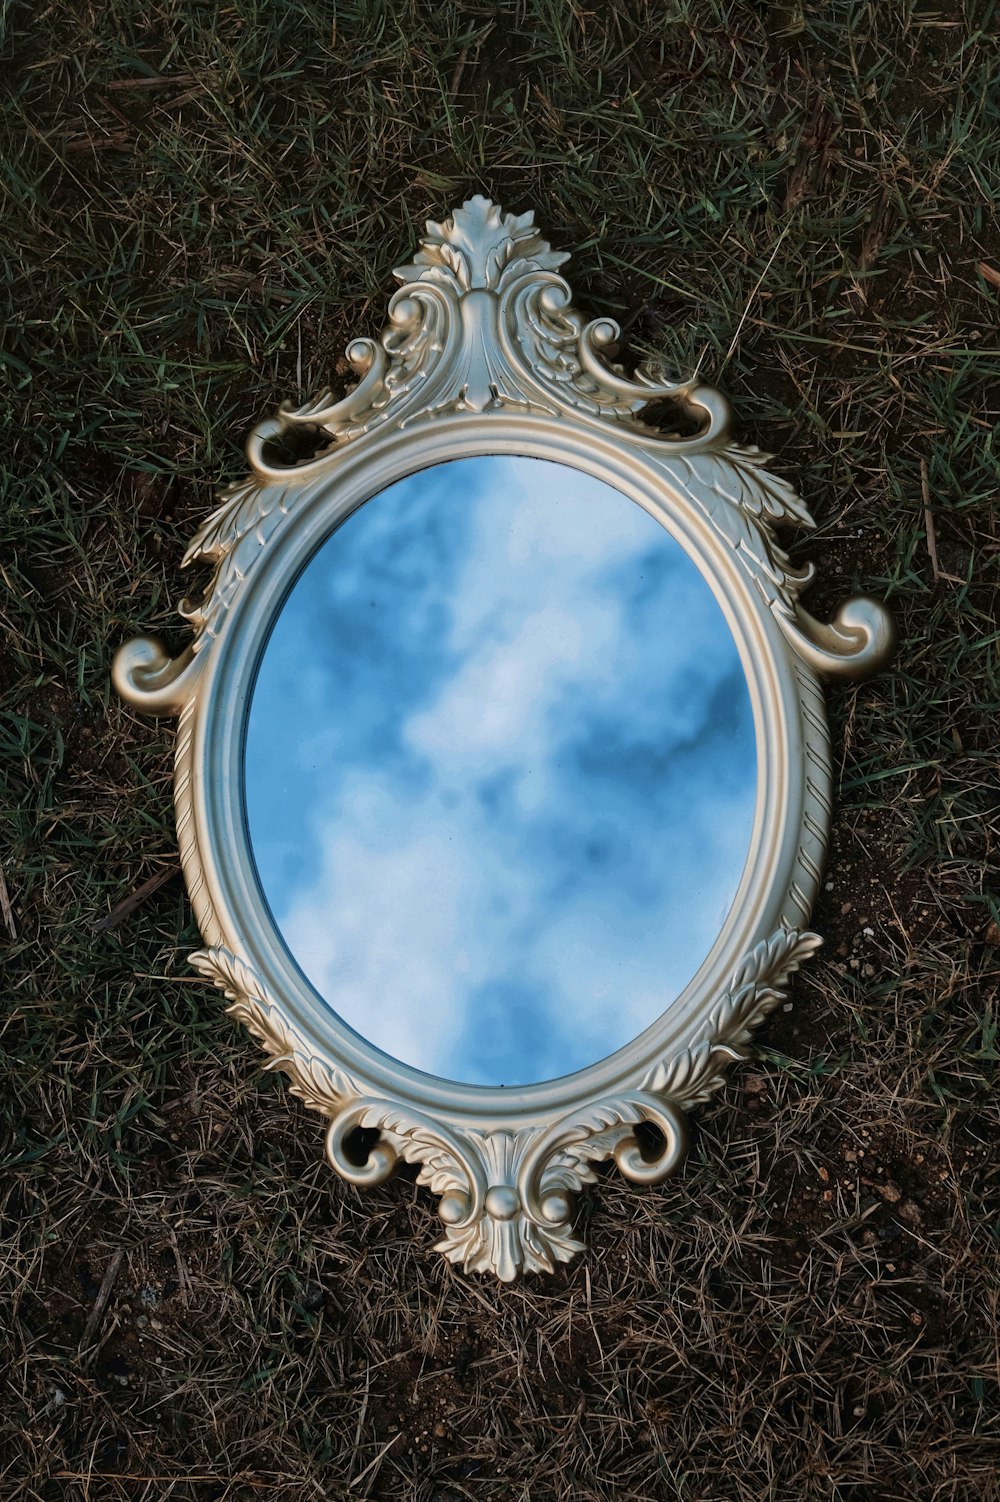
[{"x": 204, "y": 208}]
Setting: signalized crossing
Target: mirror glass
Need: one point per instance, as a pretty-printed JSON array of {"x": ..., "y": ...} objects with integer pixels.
[{"x": 500, "y": 770}]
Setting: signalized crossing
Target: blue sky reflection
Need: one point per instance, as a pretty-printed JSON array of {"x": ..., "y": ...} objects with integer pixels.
[{"x": 500, "y": 770}]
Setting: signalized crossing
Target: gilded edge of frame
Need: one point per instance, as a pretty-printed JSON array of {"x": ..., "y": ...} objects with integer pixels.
[{"x": 484, "y": 352}]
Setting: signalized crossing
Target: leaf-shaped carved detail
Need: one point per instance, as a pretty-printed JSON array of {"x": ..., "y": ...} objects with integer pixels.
[
  {"x": 508, "y": 1248},
  {"x": 232, "y": 539},
  {"x": 683, "y": 1078},
  {"x": 545, "y": 336},
  {"x": 745, "y": 502},
  {"x": 610, "y": 1112},
  {"x": 758, "y": 984},
  {"x": 448, "y": 1163},
  {"x": 506, "y": 1197},
  {"x": 314, "y": 1080},
  {"x": 738, "y": 472},
  {"x": 234, "y": 978},
  {"x": 559, "y": 1161},
  {"x": 755, "y": 989},
  {"x": 548, "y": 1247},
  {"x": 570, "y": 1165},
  {"x": 478, "y": 245},
  {"x": 242, "y": 508}
]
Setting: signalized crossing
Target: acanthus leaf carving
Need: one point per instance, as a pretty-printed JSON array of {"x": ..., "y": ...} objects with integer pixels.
[
  {"x": 232, "y": 539},
  {"x": 485, "y": 322},
  {"x": 744, "y": 502},
  {"x": 319, "y": 1084},
  {"x": 507, "y": 1197},
  {"x": 738, "y": 472},
  {"x": 479, "y": 246},
  {"x": 756, "y": 987},
  {"x": 685, "y": 1077}
]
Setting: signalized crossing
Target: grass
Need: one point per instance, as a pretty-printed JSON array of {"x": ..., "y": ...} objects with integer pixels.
[{"x": 203, "y": 204}]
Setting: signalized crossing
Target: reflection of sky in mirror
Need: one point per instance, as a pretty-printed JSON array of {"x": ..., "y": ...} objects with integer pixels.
[{"x": 500, "y": 770}]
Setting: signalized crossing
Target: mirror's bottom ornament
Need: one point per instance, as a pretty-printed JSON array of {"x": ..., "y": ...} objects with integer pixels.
[
  {"x": 484, "y": 353},
  {"x": 507, "y": 1198}
]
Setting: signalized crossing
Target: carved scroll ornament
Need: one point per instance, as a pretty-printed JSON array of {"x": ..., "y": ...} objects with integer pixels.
[{"x": 484, "y": 351}]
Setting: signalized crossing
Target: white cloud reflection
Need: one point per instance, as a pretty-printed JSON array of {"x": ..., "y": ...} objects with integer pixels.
[{"x": 500, "y": 770}]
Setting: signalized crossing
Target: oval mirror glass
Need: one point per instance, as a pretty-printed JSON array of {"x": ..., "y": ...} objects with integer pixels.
[{"x": 500, "y": 770}]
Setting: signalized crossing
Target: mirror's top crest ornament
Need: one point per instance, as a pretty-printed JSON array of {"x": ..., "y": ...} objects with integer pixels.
[{"x": 484, "y": 352}]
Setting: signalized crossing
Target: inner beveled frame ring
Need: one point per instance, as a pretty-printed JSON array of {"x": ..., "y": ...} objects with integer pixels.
[
  {"x": 222, "y": 834},
  {"x": 484, "y": 355}
]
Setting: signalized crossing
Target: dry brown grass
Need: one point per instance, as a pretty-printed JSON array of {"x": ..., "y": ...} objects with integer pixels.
[{"x": 203, "y": 205}]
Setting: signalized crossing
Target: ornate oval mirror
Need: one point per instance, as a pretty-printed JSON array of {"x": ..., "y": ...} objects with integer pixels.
[
  {"x": 502, "y": 772},
  {"x": 498, "y": 803}
]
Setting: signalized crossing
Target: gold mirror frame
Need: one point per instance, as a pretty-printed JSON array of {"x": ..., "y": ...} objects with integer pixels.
[{"x": 484, "y": 353}]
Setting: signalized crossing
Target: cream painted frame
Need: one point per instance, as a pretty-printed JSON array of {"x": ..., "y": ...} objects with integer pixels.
[{"x": 485, "y": 353}]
